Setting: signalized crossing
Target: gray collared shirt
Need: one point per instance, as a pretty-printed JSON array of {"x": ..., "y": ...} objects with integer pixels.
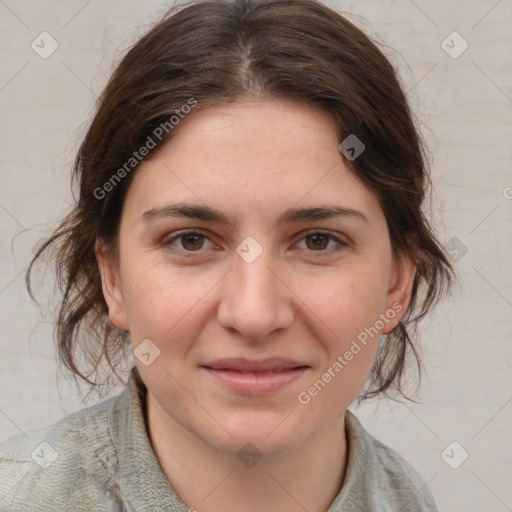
[{"x": 100, "y": 459}]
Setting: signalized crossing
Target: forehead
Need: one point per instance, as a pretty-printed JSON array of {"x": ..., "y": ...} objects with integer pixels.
[
  {"x": 216, "y": 122},
  {"x": 262, "y": 154},
  {"x": 246, "y": 137}
]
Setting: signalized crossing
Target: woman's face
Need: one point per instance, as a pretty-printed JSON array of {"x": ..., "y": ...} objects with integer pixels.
[{"x": 211, "y": 297}]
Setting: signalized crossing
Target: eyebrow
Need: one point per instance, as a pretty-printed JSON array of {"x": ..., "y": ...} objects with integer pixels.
[{"x": 292, "y": 215}]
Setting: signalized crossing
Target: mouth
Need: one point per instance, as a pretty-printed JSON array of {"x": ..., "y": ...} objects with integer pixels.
[{"x": 250, "y": 377}]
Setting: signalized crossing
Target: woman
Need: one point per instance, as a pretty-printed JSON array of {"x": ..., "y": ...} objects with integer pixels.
[{"x": 249, "y": 226}]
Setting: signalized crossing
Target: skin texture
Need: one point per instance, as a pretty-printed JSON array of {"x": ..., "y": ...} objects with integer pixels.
[{"x": 252, "y": 160}]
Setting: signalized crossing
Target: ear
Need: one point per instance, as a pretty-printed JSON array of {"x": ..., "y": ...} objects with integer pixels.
[
  {"x": 111, "y": 285},
  {"x": 399, "y": 290}
]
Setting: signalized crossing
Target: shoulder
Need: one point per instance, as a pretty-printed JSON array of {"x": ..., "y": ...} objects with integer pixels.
[
  {"x": 68, "y": 462},
  {"x": 392, "y": 480}
]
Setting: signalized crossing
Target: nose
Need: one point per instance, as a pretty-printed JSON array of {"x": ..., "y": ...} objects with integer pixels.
[{"x": 255, "y": 301}]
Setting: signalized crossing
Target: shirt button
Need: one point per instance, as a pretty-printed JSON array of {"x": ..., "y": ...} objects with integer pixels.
[{"x": 112, "y": 494}]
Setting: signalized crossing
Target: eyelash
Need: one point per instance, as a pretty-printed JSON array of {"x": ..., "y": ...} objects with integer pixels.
[{"x": 341, "y": 243}]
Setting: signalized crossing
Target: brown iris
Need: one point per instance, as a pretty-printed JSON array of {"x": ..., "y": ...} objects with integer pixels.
[
  {"x": 196, "y": 241},
  {"x": 317, "y": 244}
]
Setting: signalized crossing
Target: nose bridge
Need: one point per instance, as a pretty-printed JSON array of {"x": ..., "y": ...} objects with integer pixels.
[
  {"x": 254, "y": 301},
  {"x": 253, "y": 279}
]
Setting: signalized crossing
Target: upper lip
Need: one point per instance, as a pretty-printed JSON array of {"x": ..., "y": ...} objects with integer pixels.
[{"x": 250, "y": 365}]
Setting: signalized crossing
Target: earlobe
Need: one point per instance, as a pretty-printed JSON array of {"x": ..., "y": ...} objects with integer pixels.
[
  {"x": 111, "y": 287},
  {"x": 400, "y": 290}
]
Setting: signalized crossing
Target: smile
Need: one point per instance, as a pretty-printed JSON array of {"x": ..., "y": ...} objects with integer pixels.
[{"x": 255, "y": 382}]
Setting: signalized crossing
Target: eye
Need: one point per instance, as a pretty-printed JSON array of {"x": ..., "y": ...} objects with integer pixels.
[
  {"x": 190, "y": 241},
  {"x": 317, "y": 241},
  {"x": 187, "y": 241}
]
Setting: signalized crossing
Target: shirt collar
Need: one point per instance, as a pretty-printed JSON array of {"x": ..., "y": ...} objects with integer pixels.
[{"x": 140, "y": 478}]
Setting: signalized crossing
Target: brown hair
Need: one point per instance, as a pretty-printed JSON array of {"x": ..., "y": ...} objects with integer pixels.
[{"x": 216, "y": 51}]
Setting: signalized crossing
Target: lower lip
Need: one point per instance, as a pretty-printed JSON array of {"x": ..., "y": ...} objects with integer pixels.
[{"x": 255, "y": 383}]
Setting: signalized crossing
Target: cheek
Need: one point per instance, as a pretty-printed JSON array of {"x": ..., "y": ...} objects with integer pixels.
[
  {"x": 345, "y": 303},
  {"x": 343, "y": 313},
  {"x": 166, "y": 304}
]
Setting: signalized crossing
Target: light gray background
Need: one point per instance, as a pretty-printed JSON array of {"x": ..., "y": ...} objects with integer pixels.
[{"x": 464, "y": 105}]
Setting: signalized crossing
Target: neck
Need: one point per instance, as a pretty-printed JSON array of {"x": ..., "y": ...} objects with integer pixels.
[{"x": 307, "y": 477}]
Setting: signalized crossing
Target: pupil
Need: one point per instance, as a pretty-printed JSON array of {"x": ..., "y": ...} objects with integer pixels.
[
  {"x": 317, "y": 237},
  {"x": 194, "y": 239}
]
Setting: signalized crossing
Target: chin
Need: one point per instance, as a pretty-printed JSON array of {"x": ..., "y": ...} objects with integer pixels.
[{"x": 266, "y": 431}]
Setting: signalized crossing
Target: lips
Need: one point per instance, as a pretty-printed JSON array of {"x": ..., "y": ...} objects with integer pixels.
[
  {"x": 253, "y": 377},
  {"x": 271, "y": 365}
]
